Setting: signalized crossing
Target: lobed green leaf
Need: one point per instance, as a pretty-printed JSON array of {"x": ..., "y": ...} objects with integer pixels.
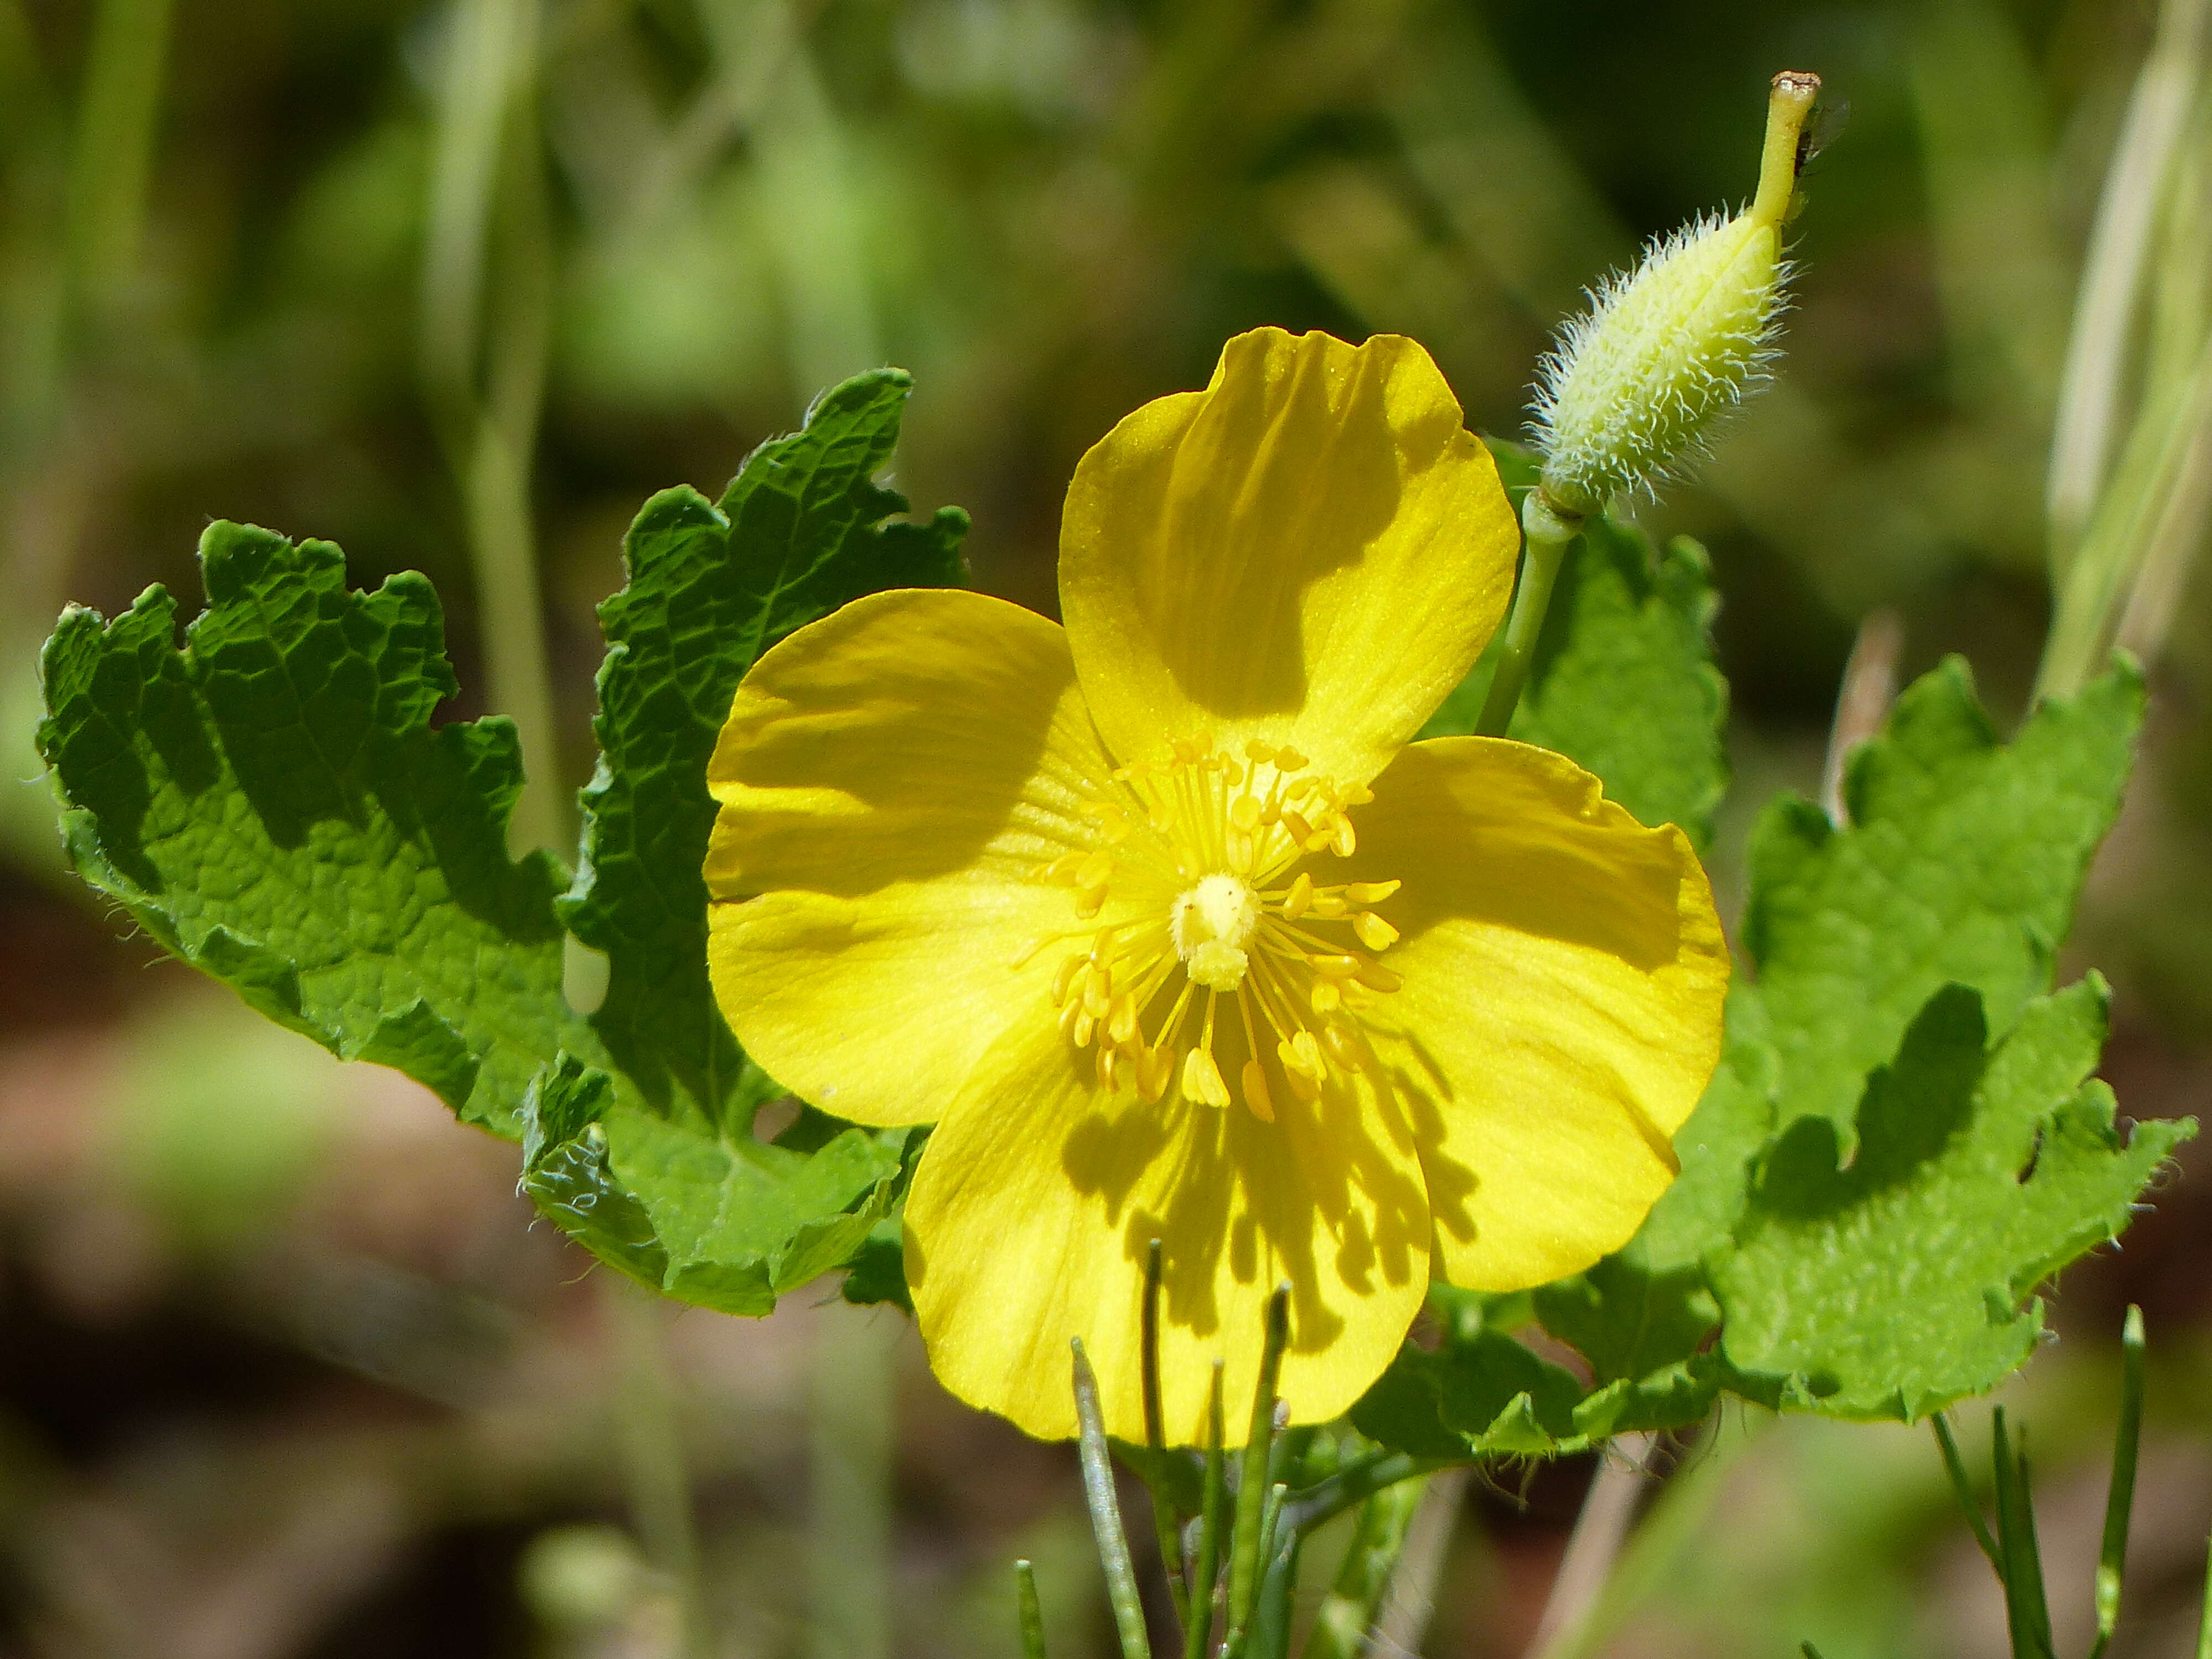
[
  {"x": 1892, "y": 1283},
  {"x": 271, "y": 804}
]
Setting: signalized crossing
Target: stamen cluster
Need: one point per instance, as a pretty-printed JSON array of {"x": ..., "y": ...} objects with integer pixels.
[{"x": 1195, "y": 871}]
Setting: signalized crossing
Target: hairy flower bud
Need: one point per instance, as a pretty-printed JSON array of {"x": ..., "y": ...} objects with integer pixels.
[{"x": 1632, "y": 383}]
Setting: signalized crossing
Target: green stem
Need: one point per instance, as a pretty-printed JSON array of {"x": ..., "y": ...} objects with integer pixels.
[
  {"x": 1550, "y": 533},
  {"x": 2204, "y": 1615},
  {"x": 652, "y": 1446},
  {"x": 1325, "y": 1499},
  {"x": 1031, "y": 1613},
  {"x": 1246, "y": 1560},
  {"x": 111, "y": 166},
  {"x": 850, "y": 1422},
  {"x": 2112, "y": 1559},
  {"x": 1348, "y": 1613},
  {"x": 1163, "y": 1521},
  {"x": 1277, "y": 1600},
  {"x": 1956, "y": 1467},
  {"x": 1106, "y": 1513},
  {"x": 1197, "y": 1628}
]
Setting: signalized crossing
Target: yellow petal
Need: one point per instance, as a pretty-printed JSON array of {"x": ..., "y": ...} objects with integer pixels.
[
  {"x": 892, "y": 778},
  {"x": 1562, "y": 971},
  {"x": 1029, "y": 1218},
  {"x": 1311, "y": 551}
]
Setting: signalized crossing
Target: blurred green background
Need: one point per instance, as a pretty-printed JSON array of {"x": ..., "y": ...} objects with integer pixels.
[{"x": 285, "y": 1367}]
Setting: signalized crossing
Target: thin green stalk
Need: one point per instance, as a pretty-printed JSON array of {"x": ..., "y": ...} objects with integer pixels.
[
  {"x": 111, "y": 166},
  {"x": 1106, "y": 1513},
  {"x": 850, "y": 1422},
  {"x": 1549, "y": 536},
  {"x": 1956, "y": 1467},
  {"x": 2112, "y": 269},
  {"x": 1030, "y": 1613},
  {"x": 487, "y": 187},
  {"x": 651, "y": 1442},
  {"x": 2028, "y": 1612},
  {"x": 1164, "y": 1523},
  {"x": 1356, "y": 1483},
  {"x": 1246, "y": 1560},
  {"x": 1348, "y": 1613},
  {"x": 2204, "y": 1615},
  {"x": 2103, "y": 571},
  {"x": 2112, "y": 1558},
  {"x": 1198, "y": 1629},
  {"x": 1272, "y": 1607}
]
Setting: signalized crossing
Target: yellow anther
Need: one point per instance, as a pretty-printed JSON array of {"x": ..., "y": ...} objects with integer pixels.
[
  {"x": 1090, "y": 902},
  {"x": 1374, "y": 933},
  {"x": 1096, "y": 869},
  {"x": 1202, "y": 1078},
  {"x": 1070, "y": 1017},
  {"x": 1243, "y": 853},
  {"x": 1188, "y": 751},
  {"x": 1376, "y": 977},
  {"x": 1064, "y": 978},
  {"x": 1342, "y": 837},
  {"x": 1371, "y": 892},
  {"x": 1110, "y": 1067},
  {"x": 1122, "y": 1027},
  {"x": 1064, "y": 867},
  {"x": 1300, "y": 897},
  {"x": 1244, "y": 813},
  {"x": 1305, "y": 1056},
  {"x": 1358, "y": 795},
  {"x": 1255, "y": 1092},
  {"x": 1289, "y": 760},
  {"x": 1319, "y": 840},
  {"x": 1301, "y": 831},
  {"x": 1085, "y": 1025},
  {"x": 1341, "y": 1046},
  {"x": 1328, "y": 904},
  {"x": 1327, "y": 996},
  {"x": 1335, "y": 967},
  {"x": 1259, "y": 753},
  {"x": 1154, "y": 1067},
  {"x": 1097, "y": 993}
]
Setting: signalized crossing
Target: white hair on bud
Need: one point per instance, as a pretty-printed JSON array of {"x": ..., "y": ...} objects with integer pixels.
[{"x": 1631, "y": 387}]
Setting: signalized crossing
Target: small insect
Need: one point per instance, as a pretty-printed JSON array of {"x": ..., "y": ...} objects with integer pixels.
[{"x": 1823, "y": 130}]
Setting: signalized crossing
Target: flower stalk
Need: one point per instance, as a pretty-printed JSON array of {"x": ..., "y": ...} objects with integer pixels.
[
  {"x": 1249, "y": 1548},
  {"x": 1106, "y": 1513}
]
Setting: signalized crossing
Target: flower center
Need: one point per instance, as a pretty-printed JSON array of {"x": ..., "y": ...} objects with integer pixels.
[
  {"x": 1210, "y": 925},
  {"x": 1206, "y": 929}
]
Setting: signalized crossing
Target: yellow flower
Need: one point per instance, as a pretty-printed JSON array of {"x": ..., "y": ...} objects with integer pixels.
[{"x": 1172, "y": 932}]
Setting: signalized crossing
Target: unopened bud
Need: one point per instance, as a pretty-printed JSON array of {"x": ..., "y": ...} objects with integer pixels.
[{"x": 1633, "y": 383}]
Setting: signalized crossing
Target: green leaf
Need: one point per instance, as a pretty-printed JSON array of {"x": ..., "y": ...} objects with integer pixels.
[
  {"x": 1479, "y": 1393},
  {"x": 272, "y": 805},
  {"x": 801, "y": 529},
  {"x": 1896, "y": 1282},
  {"x": 1623, "y": 682},
  {"x": 1961, "y": 865},
  {"x": 799, "y": 532}
]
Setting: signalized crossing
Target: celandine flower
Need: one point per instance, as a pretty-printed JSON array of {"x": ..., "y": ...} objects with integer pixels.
[{"x": 1166, "y": 925}]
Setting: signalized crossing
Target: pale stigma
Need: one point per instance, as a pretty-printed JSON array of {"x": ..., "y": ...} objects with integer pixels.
[{"x": 1210, "y": 925}]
